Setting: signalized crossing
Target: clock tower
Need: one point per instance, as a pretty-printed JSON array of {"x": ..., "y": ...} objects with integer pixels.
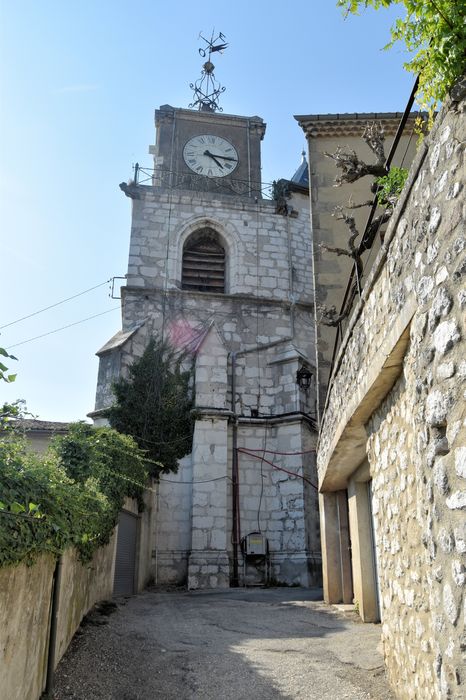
[
  {"x": 206, "y": 151},
  {"x": 224, "y": 272}
]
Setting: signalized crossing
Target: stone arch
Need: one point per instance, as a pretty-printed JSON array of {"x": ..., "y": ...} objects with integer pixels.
[{"x": 223, "y": 235}]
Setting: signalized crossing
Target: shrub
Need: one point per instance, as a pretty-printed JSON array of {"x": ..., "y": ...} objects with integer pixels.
[{"x": 71, "y": 496}]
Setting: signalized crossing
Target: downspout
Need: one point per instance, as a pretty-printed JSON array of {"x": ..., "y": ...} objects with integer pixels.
[
  {"x": 290, "y": 278},
  {"x": 234, "y": 473},
  {"x": 249, "y": 158},
  {"x": 52, "y": 646}
]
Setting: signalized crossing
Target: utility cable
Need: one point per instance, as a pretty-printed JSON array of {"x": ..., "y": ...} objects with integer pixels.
[
  {"x": 275, "y": 466},
  {"x": 58, "y": 303},
  {"x": 262, "y": 476},
  {"x": 274, "y": 452},
  {"x": 56, "y": 330},
  {"x": 158, "y": 464}
]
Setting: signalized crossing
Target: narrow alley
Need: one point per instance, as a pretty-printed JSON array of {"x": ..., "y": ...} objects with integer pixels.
[{"x": 230, "y": 645}]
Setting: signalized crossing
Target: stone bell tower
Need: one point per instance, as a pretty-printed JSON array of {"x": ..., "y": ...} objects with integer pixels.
[{"x": 224, "y": 272}]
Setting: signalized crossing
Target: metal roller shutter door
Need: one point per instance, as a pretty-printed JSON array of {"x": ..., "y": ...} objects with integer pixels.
[{"x": 125, "y": 563}]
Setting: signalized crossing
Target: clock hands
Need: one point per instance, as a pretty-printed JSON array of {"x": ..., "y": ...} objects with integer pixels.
[
  {"x": 211, "y": 155},
  {"x": 217, "y": 155}
]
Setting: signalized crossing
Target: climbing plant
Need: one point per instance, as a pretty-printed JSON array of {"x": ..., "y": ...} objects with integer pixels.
[
  {"x": 433, "y": 32},
  {"x": 70, "y": 496},
  {"x": 154, "y": 405},
  {"x": 389, "y": 186}
]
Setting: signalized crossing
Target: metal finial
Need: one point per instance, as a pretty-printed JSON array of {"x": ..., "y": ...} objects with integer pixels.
[{"x": 207, "y": 89}]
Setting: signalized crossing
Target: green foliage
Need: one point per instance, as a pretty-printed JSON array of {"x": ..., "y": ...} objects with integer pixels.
[
  {"x": 71, "y": 496},
  {"x": 4, "y": 369},
  {"x": 154, "y": 406},
  {"x": 42, "y": 510},
  {"x": 112, "y": 459},
  {"x": 433, "y": 31},
  {"x": 391, "y": 185},
  {"x": 9, "y": 413}
]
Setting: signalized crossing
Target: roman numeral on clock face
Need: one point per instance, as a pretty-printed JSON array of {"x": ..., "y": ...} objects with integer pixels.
[{"x": 210, "y": 155}]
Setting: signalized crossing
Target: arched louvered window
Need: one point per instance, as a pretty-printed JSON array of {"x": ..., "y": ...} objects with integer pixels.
[{"x": 203, "y": 262}]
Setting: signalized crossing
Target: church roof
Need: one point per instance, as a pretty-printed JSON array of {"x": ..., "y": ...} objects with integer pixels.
[
  {"x": 301, "y": 176},
  {"x": 119, "y": 339}
]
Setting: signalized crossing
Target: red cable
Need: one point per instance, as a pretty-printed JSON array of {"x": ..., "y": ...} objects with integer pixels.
[
  {"x": 281, "y": 469},
  {"x": 273, "y": 452}
]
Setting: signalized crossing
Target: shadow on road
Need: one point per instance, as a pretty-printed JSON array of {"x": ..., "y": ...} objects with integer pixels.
[{"x": 230, "y": 644}]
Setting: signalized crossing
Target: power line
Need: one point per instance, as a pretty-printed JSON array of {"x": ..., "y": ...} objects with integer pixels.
[
  {"x": 76, "y": 323},
  {"x": 52, "y": 306}
]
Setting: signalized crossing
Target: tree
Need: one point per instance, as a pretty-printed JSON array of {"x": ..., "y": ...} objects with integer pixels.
[
  {"x": 433, "y": 31},
  {"x": 154, "y": 405},
  {"x": 387, "y": 187}
]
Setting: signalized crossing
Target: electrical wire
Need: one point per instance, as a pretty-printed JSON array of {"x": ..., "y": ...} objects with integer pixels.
[
  {"x": 57, "y": 330},
  {"x": 262, "y": 476},
  {"x": 52, "y": 306},
  {"x": 25, "y": 516},
  {"x": 158, "y": 464},
  {"x": 275, "y": 466},
  {"x": 274, "y": 452}
]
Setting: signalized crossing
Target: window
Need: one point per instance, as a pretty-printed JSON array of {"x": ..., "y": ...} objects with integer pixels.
[{"x": 203, "y": 262}]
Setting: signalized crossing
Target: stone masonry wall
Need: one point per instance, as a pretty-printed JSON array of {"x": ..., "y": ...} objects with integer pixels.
[
  {"x": 263, "y": 321},
  {"x": 416, "y": 445},
  {"x": 270, "y": 387},
  {"x": 273, "y": 501},
  {"x": 267, "y": 254}
]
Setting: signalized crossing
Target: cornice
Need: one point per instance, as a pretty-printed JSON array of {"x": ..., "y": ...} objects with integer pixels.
[
  {"x": 337, "y": 125},
  {"x": 167, "y": 113}
]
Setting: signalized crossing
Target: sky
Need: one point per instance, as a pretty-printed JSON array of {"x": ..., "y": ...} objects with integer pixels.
[{"x": 79, "y": 82}]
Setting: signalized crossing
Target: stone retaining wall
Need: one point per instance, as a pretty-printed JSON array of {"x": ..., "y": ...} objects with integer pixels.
[
  {"x": 411, "y": 321},
  {"x": 25, "y": 615}
]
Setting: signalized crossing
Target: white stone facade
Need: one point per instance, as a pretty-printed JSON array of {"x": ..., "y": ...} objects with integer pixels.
[{"x": 261, "y": 329}]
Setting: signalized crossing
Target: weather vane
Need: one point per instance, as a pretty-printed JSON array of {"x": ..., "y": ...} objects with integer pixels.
[{"x": 207, "y": 89}]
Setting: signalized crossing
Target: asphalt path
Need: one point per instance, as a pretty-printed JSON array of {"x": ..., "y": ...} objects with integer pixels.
[{"x": 260, "y": 644}]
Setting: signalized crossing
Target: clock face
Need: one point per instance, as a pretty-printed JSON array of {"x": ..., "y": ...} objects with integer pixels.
[{"x": 210, "y": 155}]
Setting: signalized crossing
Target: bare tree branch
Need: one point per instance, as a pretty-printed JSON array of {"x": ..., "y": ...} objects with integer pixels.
[
  {"x": 338, "y": 251},
  {"x": 350, "y": 205},
  {"x": 349, "y": 163},
  {"x": 374, "y": 228},
  {"x": 330, "y": 317},
  {"x": 374, "y": 136}
]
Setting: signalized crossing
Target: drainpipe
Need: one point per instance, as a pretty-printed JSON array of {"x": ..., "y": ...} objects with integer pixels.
[
  {"x": 234, "y": 473},
  {"x": 56, "y": 585}
]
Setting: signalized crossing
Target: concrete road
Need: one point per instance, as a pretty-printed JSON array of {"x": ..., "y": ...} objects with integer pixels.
[{"x": 224, "y": 645}]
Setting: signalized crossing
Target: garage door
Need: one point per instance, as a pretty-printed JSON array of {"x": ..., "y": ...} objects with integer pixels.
[{"x": 125, "y": 563}]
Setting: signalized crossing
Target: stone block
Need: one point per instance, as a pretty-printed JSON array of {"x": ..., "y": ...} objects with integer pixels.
[{"x": 460, "y": 462}]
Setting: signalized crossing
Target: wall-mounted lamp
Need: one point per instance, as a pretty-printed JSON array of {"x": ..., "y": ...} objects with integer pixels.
[{"x": 303, "y": 378}]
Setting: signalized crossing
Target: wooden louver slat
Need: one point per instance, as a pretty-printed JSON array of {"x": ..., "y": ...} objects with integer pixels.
[{"x": 204, "y": 265}]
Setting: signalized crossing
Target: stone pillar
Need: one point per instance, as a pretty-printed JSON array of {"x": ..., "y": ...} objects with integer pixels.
[
  {"x": 336, "y": 561},
  {"x": 365, "y": 591},
  {"x": 208, "y": 562}
]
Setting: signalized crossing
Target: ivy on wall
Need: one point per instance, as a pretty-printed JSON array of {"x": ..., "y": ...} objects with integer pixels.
[
  {"x": 70, "y": 496},
  {"x": 154, "y": 405}
]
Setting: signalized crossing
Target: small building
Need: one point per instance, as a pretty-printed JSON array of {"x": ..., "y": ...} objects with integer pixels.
[{"x": 40, "y": 432}]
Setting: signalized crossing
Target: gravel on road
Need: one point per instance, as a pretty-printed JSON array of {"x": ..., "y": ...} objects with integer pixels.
[{"x": 231, "y": 644}]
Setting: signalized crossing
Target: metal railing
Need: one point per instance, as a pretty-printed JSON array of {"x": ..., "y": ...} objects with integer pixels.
[
  {"x": 170, "y": 179},
  {"x": 354, "y": 287}
]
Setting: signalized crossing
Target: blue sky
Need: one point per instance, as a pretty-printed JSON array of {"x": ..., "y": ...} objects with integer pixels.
[{"x": 78, "y": 85}]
